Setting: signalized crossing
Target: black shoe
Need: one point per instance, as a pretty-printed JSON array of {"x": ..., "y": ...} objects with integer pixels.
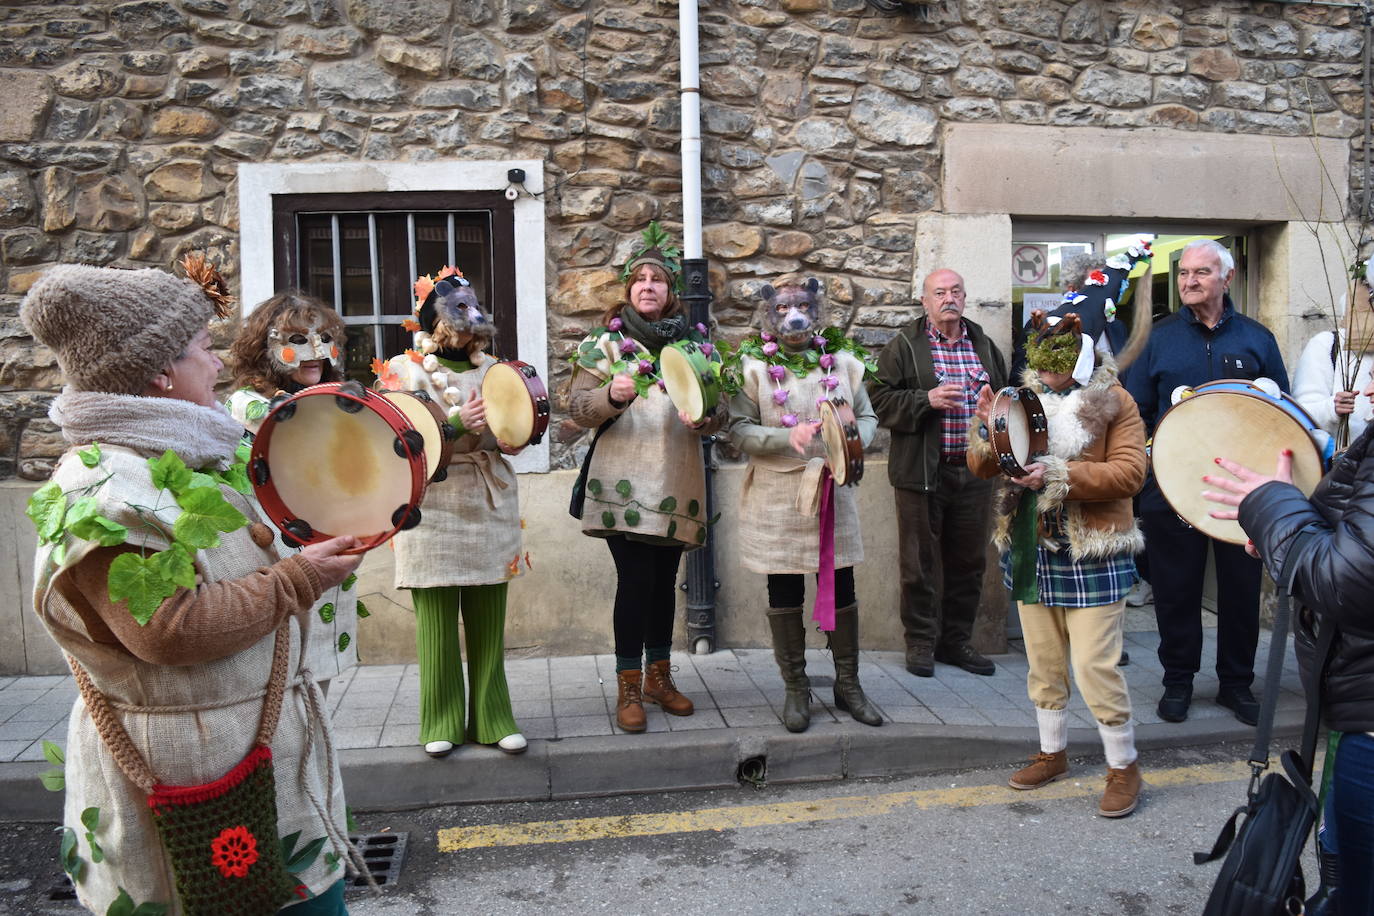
[
  {"x": 1241, "y": 702},
  {"x": 1173, "y": 706},
  {"x": 1124, "y": 660},
  {"x": 919, "y": 660},
  {"x": 964, "y": 657}
]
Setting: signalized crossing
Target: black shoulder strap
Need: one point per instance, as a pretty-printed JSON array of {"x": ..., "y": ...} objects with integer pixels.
[{"x": 1278, "y": 646}]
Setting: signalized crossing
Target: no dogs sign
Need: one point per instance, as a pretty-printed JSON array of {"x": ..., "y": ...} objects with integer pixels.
[{"x": 1030, "y": 265}]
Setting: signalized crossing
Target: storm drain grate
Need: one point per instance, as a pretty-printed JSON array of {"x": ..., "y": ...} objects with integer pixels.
[{"x": 383, "y": 853}]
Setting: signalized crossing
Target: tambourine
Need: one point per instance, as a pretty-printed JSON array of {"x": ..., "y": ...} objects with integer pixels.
[
  {"x": 429, "y": 418},
  {"x": 687, "y": 376},
  {"x": 1017, "y": 429},
  {"x": 1235, "y": 419},
  {"x": 517, "y": 403},
  {"x": 337, "y": 459},
  {"x": 844, "y": 449}
]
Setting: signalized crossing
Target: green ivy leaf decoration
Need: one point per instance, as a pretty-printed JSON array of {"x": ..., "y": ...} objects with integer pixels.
[
  {"x": 236, "y": 477},
  {"x": 631, "y": 517},
  {"x": 693, "y": 507},
  {"x": 623, "y": 488},
  {"x": 331, "y": 860},
  {"x": 47, "y": 507},
  {"x": 672, "y": 527},
  {"x": 90, "y": 819},
  {"x": 594, "y": 487},
  {"x": 350, "y": 581},
  {"x": 701, "y": 536},
  {"x": 53, "y": 754},
  {"x": 138, "y": 581},
  {"x": 175, "y": 565},
  {"x": 715, "y": 518},
  {"x": 71, "y": 862},
  {"x": 363, "y": 612},
  {"x": 90, "y": 456},
  {"x": 327, "y": 612},
  {"x": 344, "y": 640},
  {"x": 200, "y": 479},
  {"x": 170, "y": 472},
  {"x": 85, "y": 522},
  {"x": 607, "y": 519},
  {"x": 256, "y": 410},
  {"x": 54, "y": 780},
  {"x": 204, "y": 514},
  {"x": 669, "y": 504}
]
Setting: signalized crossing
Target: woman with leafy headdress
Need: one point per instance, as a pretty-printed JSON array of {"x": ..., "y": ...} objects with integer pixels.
[
  {"x": 176, "y": 606},
  {"x": 646, "y": 481}
]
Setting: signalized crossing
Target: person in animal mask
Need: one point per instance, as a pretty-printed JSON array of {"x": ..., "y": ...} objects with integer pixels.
[
  {"x": 289, "y": 342},
  {"x": 783, "y": 376},
  {"x": 458, "y": 560},
  {"x": 1068, "y": 535}
]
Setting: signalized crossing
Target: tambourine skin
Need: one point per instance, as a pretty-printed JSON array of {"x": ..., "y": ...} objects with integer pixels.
[
  {"x": 1230, "y": 418},
  {"x": 429, "y": 418},
  {"x": 844, "y": 447},
  {"x": 517, "y": 403},
  {"x": 337, "y": 459},
  {"x": 688, "y": 379},
  {"x": 1018, "y": 430}
]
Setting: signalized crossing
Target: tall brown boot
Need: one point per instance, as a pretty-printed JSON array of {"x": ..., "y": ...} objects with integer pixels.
[
  {"x": 789, "y": 651},
  {"x": 659, "y": 688},
  {"x": 629, "y": 706},
  {"x": 844, "y": 645}
]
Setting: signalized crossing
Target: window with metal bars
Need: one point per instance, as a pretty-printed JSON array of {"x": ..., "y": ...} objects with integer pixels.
[{"x": 360, "y": 253}]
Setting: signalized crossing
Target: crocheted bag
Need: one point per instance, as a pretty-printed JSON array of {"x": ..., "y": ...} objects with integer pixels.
[{"x": 220, "y": 836}]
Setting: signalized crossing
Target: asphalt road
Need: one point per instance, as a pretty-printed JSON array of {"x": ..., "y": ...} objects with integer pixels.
[{"x": 958, "y": 843}]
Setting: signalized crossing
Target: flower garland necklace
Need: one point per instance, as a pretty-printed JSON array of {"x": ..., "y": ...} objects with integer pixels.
[
  {"x": 646, "y": 370},
  {"x": 820, "y": 354}
]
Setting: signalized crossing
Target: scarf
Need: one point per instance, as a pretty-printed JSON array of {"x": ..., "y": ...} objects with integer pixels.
[
  {"x": 654, "y": 335},
  {"x": 201, "y": 436}
]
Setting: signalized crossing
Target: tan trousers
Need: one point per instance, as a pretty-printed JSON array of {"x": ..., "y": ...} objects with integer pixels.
[{"x": 1091, "y": 638}]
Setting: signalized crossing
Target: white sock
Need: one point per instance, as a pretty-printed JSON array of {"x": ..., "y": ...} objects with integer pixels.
[
  {"x": 1054, "y": 729},
  {"x": 1118, "y": 741}
]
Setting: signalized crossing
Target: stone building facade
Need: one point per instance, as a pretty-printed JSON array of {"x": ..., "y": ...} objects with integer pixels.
[{"x": 867, "y": 148}]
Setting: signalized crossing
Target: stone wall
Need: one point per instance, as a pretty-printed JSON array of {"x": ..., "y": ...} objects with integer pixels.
[{"x": 122, "y": 126}]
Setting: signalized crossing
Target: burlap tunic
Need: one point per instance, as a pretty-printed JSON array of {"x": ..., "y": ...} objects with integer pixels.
[
  {"x": 333, "y": 644},
  {"x": 469, "y": 531},
  {"x": 648, "y": 453},
  {"x": 191, "y": 723},
  {"x": 780, "y": 498}
]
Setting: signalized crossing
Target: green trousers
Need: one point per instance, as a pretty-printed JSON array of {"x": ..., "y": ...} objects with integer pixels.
[{"x": 483, "y": 611}]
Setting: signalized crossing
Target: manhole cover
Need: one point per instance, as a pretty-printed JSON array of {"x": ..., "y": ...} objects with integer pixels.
[{"x": 383, "y": 853}]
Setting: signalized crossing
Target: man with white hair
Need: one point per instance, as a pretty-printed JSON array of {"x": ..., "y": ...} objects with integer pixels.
[{"x": 1206, "y": 340}]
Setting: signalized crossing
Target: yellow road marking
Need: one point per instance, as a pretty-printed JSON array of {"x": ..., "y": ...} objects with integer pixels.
[{"x": 455, "y": 839}]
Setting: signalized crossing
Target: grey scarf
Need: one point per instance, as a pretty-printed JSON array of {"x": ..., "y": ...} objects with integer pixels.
[
  {"x": 201, "y": 436},
  {"x": 654, "y": 335}
]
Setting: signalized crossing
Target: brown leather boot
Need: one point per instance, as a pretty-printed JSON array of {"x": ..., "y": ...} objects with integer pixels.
[
  {"x": 844, "y": 646},
  {"x": 629, "y": 707},
  {"x": 1043, "y": 770},
  {"x": 1123, "y": 791},
  {"x": 659, "y": 688}
]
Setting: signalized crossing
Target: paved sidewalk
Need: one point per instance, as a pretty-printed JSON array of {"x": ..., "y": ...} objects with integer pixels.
[{"x": 565, "y": 706}]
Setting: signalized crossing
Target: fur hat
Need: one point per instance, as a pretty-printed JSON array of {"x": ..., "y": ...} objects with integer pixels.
[{"x": 112, "y": 329}]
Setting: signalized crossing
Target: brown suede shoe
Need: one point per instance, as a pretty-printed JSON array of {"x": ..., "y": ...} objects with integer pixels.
[
  {"x": 659, "y": 688},
  {"x": 1043, "y": 770},
  {"x": 629, "y": 708},
  {"x": 1123, "y": 791}
]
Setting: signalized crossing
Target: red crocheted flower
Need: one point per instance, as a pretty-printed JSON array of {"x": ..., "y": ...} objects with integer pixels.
[{"x": 233, "y": 851}]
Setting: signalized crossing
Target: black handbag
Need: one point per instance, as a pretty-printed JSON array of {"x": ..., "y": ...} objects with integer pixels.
[
  {"x": 1262, "y": 873},
  {"x": 579, "y": 490}
]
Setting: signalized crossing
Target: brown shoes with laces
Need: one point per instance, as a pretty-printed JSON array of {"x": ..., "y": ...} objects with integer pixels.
[
  {"x": 1123, "y": 791},
  {"x": 1043, "y": 770},
  {"x": 659, "y": 688},
  {"x": 629, "y": 705}
]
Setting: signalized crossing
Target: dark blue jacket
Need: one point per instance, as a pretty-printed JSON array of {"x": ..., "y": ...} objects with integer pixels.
[{"x": 1184, "y": 351}]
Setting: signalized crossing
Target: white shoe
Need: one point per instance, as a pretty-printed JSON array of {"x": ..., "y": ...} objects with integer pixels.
[
  {"x": 1140, "y": 594},
  {"x": 513, "y": 744},
  {"x": 439, "y": 748}
]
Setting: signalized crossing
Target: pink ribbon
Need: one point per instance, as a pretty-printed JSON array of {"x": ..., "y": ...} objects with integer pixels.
[{"x": 824, "y": 611}]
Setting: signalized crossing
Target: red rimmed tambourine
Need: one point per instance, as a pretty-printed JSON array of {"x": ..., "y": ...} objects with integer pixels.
[
  {"x": 1017, "y": 429},
  {"x": 337, "y": 459},
  {"x": 517, "y": 403},
  {"x": 844, "y": 449},
  {"x": 429, "y": 418}
]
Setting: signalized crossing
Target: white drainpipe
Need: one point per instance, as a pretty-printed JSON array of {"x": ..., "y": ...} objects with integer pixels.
[{"x": 691, "y": 130}]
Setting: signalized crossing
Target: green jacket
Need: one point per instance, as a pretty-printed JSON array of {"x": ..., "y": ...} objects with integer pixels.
[{"x": 900, "y": 397}]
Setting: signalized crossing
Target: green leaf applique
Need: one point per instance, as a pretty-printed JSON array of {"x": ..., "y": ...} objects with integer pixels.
[
  {"x": 363, "y": 612},
  {"x": 669, "y": 504},
  {"x": 623, "y": 488},
  {"x": 90, "y": 456},
  {"x": 594, "y": 487},
  {"x": 236, "y": 477},
  {"x": 204, "y": 514},
  {"x": 672, "y": 527},
  {"x": 350, "y": 581},
  {"x": 140, "y": 582},
  {"x": 175, "y": 565},
  {"x": 47, "y": 507},
  {"x": 327, "y": 612},
  {"x": 631, "y": 517},
  {"x": 85, "y": 522},
  {"x": 344, "y": 640},
  {"x": 256, "y": 409},
  {"x": 693, "y": 507},
  {"x": 607, "y": 519},
  {"x": 170, "y": 472}
]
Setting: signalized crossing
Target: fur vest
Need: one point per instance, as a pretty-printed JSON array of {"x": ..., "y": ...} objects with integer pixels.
[{"x": 1096, "y": 463}]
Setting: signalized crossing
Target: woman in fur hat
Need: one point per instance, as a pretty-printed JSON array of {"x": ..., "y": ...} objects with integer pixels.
[
  {"x": 458, "y": 560},
  {"x": 176, "y": 606},
  {"x": 1068, "y": 536},
  {"x": 646, "y": 481},
  {"x": 289, "y": 342}
]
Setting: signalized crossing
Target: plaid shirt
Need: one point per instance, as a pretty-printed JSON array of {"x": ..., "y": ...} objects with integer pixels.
[
  {"x": 956, "y": 361},
  {"x": 1085, "y": 583}
]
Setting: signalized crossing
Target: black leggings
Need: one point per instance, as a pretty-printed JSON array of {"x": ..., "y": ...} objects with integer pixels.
[
  {"x": 645, "y": 600},
  {"x": 789, "y": 589}
]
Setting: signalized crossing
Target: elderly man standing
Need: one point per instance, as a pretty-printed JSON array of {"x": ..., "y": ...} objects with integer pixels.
[
  {"x": 928, "y": 380},
  {"x": 1206, "y": 340}
]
